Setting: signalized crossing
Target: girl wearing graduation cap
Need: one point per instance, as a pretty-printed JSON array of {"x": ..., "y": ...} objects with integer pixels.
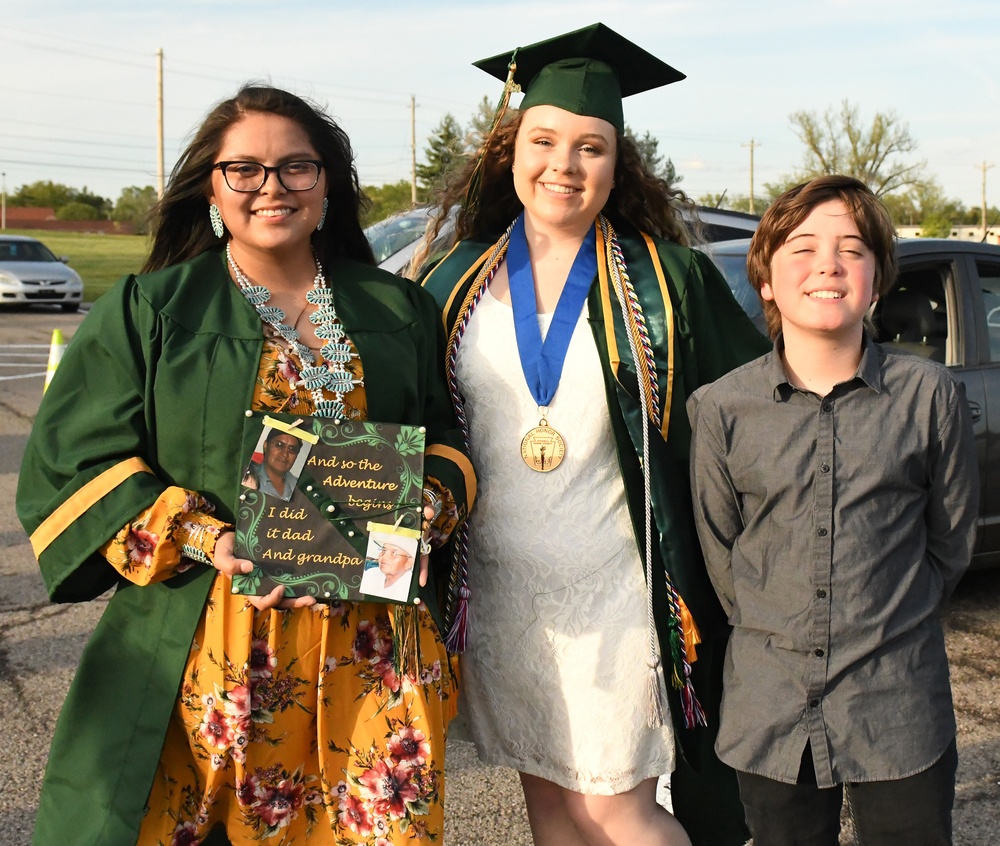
[{"x": 578, "y": 323}]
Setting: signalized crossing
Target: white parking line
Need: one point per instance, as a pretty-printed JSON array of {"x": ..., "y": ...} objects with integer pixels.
[
  {"x": 17, "y": 356},
  {"x": 22, "y": 376}
]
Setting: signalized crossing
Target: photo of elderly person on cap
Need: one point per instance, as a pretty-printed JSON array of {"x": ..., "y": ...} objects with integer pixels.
[
  {"x": 388, "y": 575},
  {"x": 200, "y": 716},
  {"x": 578, "y": 322}
]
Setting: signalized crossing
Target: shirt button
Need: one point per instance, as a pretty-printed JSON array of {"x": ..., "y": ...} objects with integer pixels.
[
  {"x": 821, "y": 533},
  {"x": 819, "y": 653},
  {"x": 814, "y": 703},
  {"x": 821, "y": 594},
  {"x": 824, "y": 468},
  {"x": 827, "y": 407}
]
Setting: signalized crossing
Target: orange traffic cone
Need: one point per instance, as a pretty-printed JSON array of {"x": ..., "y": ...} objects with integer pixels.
[{"x": 56, "y": 351}]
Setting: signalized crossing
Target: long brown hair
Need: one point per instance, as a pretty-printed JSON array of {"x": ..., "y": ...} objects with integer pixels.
[
  {"x": 180, "y": 226},
  {"x": 639, "y": 198}
]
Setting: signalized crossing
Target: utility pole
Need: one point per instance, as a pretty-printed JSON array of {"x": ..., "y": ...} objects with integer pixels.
[
  {"x": 985, "y": 168},
  {"x": 159, "y": 122},
  {"x": 413, "y": 150},
  {"x": 3, "y": 200},
  {"x": 751, "y": 145}
]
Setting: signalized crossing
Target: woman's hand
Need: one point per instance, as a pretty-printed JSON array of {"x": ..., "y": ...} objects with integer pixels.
[{"x": 226, "y": 562}]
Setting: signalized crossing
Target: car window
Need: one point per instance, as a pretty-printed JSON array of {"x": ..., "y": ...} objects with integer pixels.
[
  {"x": 734, "y": 269},
  {"x": 723, "y": 232},
  {"x": 25, "y": 251},
  {"x": 989, "y": 283},
  {"x": 914, "y": 316}
]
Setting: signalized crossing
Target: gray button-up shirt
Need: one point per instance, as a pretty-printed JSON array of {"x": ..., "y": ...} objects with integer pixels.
[{"x": 834, "y": 528}]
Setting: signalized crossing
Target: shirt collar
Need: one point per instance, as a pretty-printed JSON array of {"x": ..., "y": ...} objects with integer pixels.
[{"x": 869, "y": 370}]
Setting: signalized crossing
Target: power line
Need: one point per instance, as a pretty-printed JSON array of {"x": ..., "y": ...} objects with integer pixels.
[
  {"x": 148, "y": 171},
  {"x": 118, "y": 48},
  {"x": 75, "y": 97},
  {"x": 89, "y": 157},
  {"x": 65, "y": 52},
  {"x": 65, "y": 128},
  {"x": 75, "y": 141}
]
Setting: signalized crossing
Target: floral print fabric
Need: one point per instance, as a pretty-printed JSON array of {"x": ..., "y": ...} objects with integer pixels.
[
  {"x": 150, "y": 548},
  {"x": 303, "y": 726}
]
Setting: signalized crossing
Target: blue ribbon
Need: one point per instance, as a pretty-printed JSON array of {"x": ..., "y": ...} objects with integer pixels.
[{"x": 542, "y": 363}]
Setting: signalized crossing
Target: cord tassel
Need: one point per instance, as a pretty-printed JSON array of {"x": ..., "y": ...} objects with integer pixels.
[
  {"x": 405, "y": 642},
  {"x": 471, "y": 201},
  {"x": 458, "y": 634},
  {"x": 656, "y": 693}
]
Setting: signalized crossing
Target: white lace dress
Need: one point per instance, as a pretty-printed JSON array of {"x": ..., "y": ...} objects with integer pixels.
[{"x": 554, "y": 674}]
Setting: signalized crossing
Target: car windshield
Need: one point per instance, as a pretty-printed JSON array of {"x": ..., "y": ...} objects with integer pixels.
[
  {"x": 25, "y": 251},
  {"x": 734, "y": 268},
  {"x": 394, "y": 233}
]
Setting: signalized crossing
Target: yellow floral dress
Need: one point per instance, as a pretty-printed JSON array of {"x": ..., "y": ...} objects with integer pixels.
[{"x": 292, "y": 726}]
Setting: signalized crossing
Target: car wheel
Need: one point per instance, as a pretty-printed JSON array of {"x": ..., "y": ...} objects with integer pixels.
[{"x": 70, "y": 307}]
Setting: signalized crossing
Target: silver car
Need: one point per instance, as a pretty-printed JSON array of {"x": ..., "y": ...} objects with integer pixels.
[
  {"x": 30, "y": 273},
  {"x": 395, "y": 239}
]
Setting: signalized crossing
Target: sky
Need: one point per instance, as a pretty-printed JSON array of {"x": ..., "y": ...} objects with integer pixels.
[{"x": 78, "y": 78}]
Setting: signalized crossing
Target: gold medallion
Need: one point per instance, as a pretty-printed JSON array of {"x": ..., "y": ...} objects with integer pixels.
[{"x": 543, "y": 448}]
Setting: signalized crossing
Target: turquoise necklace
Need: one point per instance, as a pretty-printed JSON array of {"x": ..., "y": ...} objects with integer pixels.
[{"x": 331, "y": 374}]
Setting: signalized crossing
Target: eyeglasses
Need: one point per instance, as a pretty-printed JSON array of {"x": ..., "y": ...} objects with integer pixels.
[
  {"x": 279, "y": 446},
  {"x": 247, "y": 177}
]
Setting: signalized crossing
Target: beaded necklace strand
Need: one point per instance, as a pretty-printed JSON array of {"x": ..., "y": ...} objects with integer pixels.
[{"x": 314, "y": 376}]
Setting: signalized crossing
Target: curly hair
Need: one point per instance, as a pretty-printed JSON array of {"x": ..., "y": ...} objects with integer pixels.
[
  {"x": 639, "y": 198},
  {"x": 180, "y": 226},
  {"x": 795, "y": 205}
]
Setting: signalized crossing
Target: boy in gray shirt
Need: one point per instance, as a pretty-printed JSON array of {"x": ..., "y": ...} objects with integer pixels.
[{"x": 836, "y": 495}]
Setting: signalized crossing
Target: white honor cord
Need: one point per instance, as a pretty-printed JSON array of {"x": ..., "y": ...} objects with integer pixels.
[{"x": 657, "y": 677}]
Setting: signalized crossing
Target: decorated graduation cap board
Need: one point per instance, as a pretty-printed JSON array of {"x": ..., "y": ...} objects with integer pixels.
[{"x": 586, "y": 72}]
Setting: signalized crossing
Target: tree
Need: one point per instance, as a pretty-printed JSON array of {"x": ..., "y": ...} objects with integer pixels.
[
  {"x": 877, "y": 155},
  {"x": 387, "y": 200},
  {"x": 480, "y": 124},
  {"x": 974, "y": 216},
  {"x": 741, "y": 203},
  {"x": 134, "y": 206},
  {"x": 649, "y": 149},
  {"x": 925, "y": 205},
  {"x": 52, "y": 195},
  {"x": 76, "y": 211},
  {"x": 737, "y": 202},
  {"x": 446, "y": 151}
]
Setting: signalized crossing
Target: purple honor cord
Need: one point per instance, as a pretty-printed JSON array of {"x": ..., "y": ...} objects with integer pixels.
[{"x": 542, "y": 363}]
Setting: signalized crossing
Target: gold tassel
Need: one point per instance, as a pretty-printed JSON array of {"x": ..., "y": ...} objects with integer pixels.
[
  {"x": 406, "y": 640},
  {"x": 692, "y": 637},
  {"x": 471, "y": 201}
]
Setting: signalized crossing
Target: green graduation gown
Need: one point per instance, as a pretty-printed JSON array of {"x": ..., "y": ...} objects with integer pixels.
[
  {"x": 695, "y": 325},
  {"x": 152, "y": 392}
]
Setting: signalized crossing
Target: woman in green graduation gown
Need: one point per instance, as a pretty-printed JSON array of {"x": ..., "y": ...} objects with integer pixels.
[
  {"x": 578, "y": 321},
  {"x": 198, "y": 715}
]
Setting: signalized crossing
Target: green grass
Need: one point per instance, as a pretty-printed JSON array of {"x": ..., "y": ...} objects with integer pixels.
[{"x": 99, "y": 259}]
